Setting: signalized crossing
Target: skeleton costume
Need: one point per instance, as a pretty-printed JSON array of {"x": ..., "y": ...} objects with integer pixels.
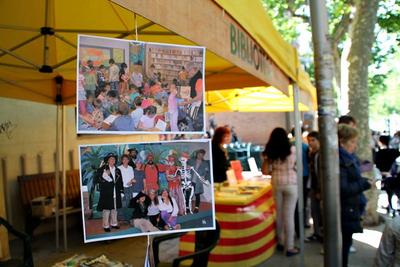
[{"x": 187, "y": 174}]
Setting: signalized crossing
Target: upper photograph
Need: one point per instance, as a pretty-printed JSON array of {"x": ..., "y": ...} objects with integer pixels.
[{"x": 128, "y": 87}]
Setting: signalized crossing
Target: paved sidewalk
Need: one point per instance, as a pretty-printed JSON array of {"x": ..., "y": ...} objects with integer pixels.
[
  {"x": 132, "y": 250},
  {"x": 364, "y": 257}
]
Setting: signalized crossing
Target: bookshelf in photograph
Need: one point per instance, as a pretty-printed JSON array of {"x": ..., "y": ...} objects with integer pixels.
[{"x": 169, "y": 60}]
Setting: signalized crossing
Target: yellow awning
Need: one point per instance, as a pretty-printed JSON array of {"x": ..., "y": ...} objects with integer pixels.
[
  {"x": 259, "y": 25},
  {"x": 22, "y": 44},
  {"x": 255, "y": 99}
]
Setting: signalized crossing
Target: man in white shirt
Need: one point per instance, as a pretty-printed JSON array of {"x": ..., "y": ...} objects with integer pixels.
[{"x": 128, "y": 179}]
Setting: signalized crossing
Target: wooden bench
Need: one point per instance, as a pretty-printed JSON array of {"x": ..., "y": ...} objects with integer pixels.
[{"x": 37, "y": 185}]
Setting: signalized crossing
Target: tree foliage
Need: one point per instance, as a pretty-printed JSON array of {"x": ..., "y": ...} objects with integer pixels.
[{"x": 287, "y": 15}]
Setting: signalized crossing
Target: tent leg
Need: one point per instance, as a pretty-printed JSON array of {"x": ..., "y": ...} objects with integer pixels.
[
  {"x": 45, "y": 48},
  {"x": 64, "y": 177},
  {"x": 57, "y": 176},
  {"x": 299, "y": 167}
]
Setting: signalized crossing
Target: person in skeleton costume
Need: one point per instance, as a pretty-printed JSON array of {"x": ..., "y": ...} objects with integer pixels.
[
  {"x": 174, "y": 182},
  {"x": 201, "y": 166},
  {"x": 187, "y": 174}
]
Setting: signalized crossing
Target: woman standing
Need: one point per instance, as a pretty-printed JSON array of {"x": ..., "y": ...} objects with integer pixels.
[
  {"x": 351, "y": 187},
  {"x": 279, "y": 161},
  {"x": 111, "y": 189},
  {"x": 222, "y": 136}
]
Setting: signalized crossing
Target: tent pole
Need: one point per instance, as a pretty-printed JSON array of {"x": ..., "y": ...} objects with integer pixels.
[
  {"x": 57, "y": 176},
  {"x": 66, "y": 61},
  {"x": 19, "y": 58},
  {"x": 22, "y": 44},
  {"x": 19, "y": 28},
  {"x": 64, "y": 177},
  {"x": 299, "y": 169},
  {"x": 59, "y": 140},
  {"x": 64, "y": 40},
  {"x": 91, "y": 31},
  {"x": 46, "y": 18}
]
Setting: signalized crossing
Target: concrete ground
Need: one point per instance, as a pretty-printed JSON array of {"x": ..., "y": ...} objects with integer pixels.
[
  {"x": 133, "y": 250},
  {"x": 365, "y": 243}
]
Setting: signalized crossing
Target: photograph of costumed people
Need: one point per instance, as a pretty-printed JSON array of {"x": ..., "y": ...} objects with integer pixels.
[{"x": 137, "y": 189}]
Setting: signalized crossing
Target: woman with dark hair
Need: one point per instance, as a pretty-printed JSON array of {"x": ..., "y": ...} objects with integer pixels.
[
  {"x": 169, "y": 210},
  {"x": 280, "y": 162},
  {"x": 140, "y": 204},
  {"x": 221, "y": 137},
  {"x": 351, "y": 187},
  {"x": 154, "y": 210}
]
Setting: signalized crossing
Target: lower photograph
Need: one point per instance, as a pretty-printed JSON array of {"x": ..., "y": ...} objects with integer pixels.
[{"x": 133, "y": 189}]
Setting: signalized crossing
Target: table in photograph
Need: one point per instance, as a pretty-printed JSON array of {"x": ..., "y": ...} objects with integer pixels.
[{"x": 246, "y": 214}]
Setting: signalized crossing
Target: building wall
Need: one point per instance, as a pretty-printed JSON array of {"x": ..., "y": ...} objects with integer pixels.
[
  {"x": 254, "y": 127},
  {"x": 33, "y": 131}
]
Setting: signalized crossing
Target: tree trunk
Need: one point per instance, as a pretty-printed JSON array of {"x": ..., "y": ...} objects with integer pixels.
[
  {"x": 336, "y": 63},
  {"x": 362, "y": 37}
]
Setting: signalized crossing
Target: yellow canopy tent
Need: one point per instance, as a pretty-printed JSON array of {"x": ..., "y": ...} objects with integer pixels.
[
  {"x": 253, "y": 99},
  {"x": 38, "y": 47},
  {"x": 38, "y": 43}
]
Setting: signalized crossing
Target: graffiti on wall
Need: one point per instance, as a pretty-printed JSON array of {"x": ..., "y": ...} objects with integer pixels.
[{"x": 7, "y": 127}]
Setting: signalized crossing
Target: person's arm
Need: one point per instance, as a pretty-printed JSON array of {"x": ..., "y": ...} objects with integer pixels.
[
  {"x": 144, "y": 184},
  {"x": 386, "y": 251},
  {"x": 199, "y": 91},
  {"x": 106, "y": 175},
  {"x": 140, "y": 125},
  {"x": 265, "y": 167},
  {"x": 119, "y": 182},
  {"x": 162, "y": 167},
  {"x": 292, "y": 157},
  {"x": 161, "y": 205},
  {"x": 351, "y": 188},
  {"x": 176, "y": 208},
  {"x": 133, "y": 180}
]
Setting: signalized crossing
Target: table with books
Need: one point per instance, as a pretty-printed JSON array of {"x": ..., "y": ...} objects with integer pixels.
[{"x": 246, "y": 214}]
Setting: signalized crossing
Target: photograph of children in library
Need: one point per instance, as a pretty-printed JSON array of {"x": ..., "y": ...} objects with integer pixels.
[
  {"x": 129, "y": 86},
  {"x": 140, "y": 189}
]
